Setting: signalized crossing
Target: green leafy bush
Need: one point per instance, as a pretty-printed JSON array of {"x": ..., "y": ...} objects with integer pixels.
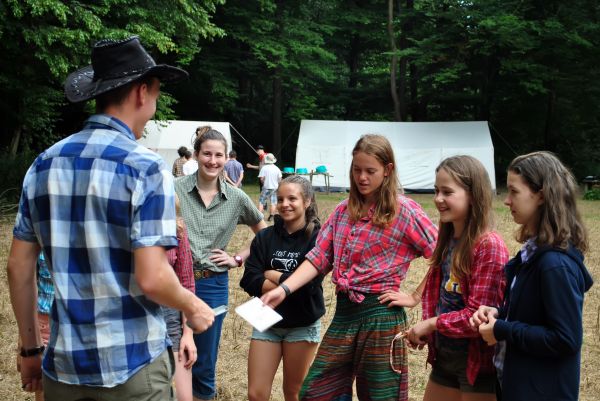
[
  {"x": 12, "y": 171},
  {"x": 592, "y": 194}
]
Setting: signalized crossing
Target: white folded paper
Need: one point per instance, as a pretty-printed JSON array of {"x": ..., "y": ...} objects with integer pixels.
[{"x": 260, "y": 316}]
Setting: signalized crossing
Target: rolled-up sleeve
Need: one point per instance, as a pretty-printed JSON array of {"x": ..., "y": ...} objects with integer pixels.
[
  {"x": 154, "y": 221},
  {"x": 321, "y": 256}
]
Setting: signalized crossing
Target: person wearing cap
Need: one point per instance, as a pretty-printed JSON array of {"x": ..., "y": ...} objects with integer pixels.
[
  {"x": 102, "y": 208},
  {"x": 260, "y": 151},
  {"x": 269, "y": 176}
]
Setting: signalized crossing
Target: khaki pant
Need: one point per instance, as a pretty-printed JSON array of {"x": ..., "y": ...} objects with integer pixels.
[{"x": 151, "y": 383}]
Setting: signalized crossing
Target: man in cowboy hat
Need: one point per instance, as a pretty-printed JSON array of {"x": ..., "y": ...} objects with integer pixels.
[
  {"x": 102, "y": 209},
  {"x": 269, "y": 176}
]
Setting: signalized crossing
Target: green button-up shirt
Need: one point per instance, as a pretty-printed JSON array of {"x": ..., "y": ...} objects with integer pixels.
[{"x": 212, "y": 227}]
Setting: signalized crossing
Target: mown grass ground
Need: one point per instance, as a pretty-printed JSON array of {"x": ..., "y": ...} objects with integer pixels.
[{"x": 235, "y": 339}]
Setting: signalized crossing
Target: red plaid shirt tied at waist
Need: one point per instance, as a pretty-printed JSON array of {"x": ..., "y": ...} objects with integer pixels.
[{"x": 369, "y": 259}]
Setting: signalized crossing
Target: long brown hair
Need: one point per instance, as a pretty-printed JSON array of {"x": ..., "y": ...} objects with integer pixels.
[
  {"x": 472, "y": 176},
  {"x": 559, "y": 222},
  {"x": 386, "y": 206}
]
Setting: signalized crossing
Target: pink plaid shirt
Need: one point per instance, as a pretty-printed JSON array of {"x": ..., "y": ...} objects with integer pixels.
[
  {"x": 183, "y": 263},
  {"x": 484, "y": 286},
  {"x": 369, "y": 259}
]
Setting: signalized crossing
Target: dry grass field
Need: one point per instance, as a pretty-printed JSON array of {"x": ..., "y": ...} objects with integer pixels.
[{"x": 235, "y": 339}]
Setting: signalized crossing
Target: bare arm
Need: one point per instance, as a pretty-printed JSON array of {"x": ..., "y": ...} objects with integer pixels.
[
  {"x": 23, "y": 296},
  {"x": 303, "y": 274},
  {"x": 158, "y": 281}
]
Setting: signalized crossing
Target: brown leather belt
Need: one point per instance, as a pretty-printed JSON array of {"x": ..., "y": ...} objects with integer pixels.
[{"x": 200, "y": 274}]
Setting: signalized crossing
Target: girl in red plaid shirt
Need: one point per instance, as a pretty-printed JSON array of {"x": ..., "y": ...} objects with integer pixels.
[
  {"x": 367, "y": 243},
  {"x": 466, "y": 272}
]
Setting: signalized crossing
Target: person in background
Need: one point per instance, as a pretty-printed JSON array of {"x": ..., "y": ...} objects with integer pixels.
[
  {"x": 234, "y": 171},
  {"x": 466, "y": 272},
  {"x": 275, "y": 254},
  {"x": 538, "y": 328},
  {"x": 45, "y": 290},
  {"x": 191, "y": 165},
  {"x": 180, "y": 334},
  {"x": 260, "y": 151},
  {"x": 179, "y": 162},
  {"x": 269, "y": 176},
  {"x": 212, "y": 209},
  {"x": 102, "y": 208},
  {"x": 367, "y": 243}
]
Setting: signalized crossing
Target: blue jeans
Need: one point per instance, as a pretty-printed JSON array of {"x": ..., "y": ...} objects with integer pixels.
[{"x": 215, "y": 292}]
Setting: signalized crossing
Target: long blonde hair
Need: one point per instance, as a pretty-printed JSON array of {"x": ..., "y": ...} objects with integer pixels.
[
  {"x": 386, "y": 206},
  {"x": 472, "y": 176},
  {"x": 559, "y": 222}
]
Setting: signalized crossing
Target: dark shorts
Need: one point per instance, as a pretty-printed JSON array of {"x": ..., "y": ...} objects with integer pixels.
[
  {"x": 174, "y": 328},
  {"x": 450, "y": 370}
]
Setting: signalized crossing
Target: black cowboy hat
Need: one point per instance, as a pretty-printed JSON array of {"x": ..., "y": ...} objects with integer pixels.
[{"x": 114, "y": 64}]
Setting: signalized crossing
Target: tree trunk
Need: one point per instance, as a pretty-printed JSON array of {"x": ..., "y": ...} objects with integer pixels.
[
  {"x": 394, "y": 63},
  {"x": 14, "y": 142},
  {"x": 352, "y": 79},
  {"x": 551, "y": 105},
  {"x": 276, "y": 113},
  {"x": 404, "y": 32}
]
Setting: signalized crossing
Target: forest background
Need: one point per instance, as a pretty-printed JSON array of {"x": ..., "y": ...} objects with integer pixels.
[{"x": 528, "y": 67}]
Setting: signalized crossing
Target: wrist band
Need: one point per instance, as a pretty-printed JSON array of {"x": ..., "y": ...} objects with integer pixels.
[
  {"x": 25, "y": 353},
  {"x": 286, "y": 289}
]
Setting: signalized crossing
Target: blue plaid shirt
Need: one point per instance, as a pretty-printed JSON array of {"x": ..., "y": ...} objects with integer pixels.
[{"x": 89, "y": 201}]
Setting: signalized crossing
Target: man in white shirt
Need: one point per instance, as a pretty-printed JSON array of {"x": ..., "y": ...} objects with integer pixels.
[
  {"x": 270, "y": 176},
  {"x": 191, "y": 165}
]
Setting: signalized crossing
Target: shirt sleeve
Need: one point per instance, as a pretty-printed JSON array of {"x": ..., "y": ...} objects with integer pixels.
[
  {"x": 23, "y": 229},
  {"x": 485, "y": 287},
  {"x": 249, "y": 214},
  {"x": 154, "y": 209},
  {"x": 422, "y": 232},
  {"x": 321, "y": 256},
  {"x": 254, "y": 267}
]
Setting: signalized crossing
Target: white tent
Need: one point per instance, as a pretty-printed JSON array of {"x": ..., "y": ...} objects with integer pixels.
[
  {"x": 418, "y": 146},
  {"x": 165, "y": 137}
]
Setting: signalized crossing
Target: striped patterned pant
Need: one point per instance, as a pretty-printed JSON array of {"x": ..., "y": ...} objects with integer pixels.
[{"x": 357, "y": 344}]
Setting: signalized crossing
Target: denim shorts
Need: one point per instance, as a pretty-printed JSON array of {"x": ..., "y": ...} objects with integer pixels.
[
  {"x": 450, "y": 370},
  {"x": 268, "y": 194},
  {"x": 174, "y": 327},
  {"x": 310, "y": 333}
]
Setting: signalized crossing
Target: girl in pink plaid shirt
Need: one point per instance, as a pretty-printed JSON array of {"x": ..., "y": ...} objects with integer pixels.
[
  {"x": 367, "y": 243},
  {"x": 466, "y": 272}
]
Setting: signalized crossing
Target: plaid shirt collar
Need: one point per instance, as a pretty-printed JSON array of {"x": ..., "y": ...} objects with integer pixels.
[{"x": 106, "y": 121}]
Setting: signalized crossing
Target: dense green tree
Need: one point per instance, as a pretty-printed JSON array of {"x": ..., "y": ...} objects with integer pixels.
[{"x": 42, "y": 41}]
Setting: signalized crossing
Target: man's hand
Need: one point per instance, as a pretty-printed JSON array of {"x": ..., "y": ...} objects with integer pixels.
[
  {"x": 201, "y": 318},
  {"x": 31, "y": 373}
]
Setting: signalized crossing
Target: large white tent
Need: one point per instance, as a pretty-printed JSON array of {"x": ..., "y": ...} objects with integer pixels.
[
  {"x": 165, "y": 137},
  {"x": 418, "y": 146}
]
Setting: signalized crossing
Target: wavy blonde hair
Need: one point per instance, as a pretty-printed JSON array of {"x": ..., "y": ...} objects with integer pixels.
[
  {"x": 559, "y": 222},
  {"x": 386, "y": 206},
  {"x": 471, "y": 175}
]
